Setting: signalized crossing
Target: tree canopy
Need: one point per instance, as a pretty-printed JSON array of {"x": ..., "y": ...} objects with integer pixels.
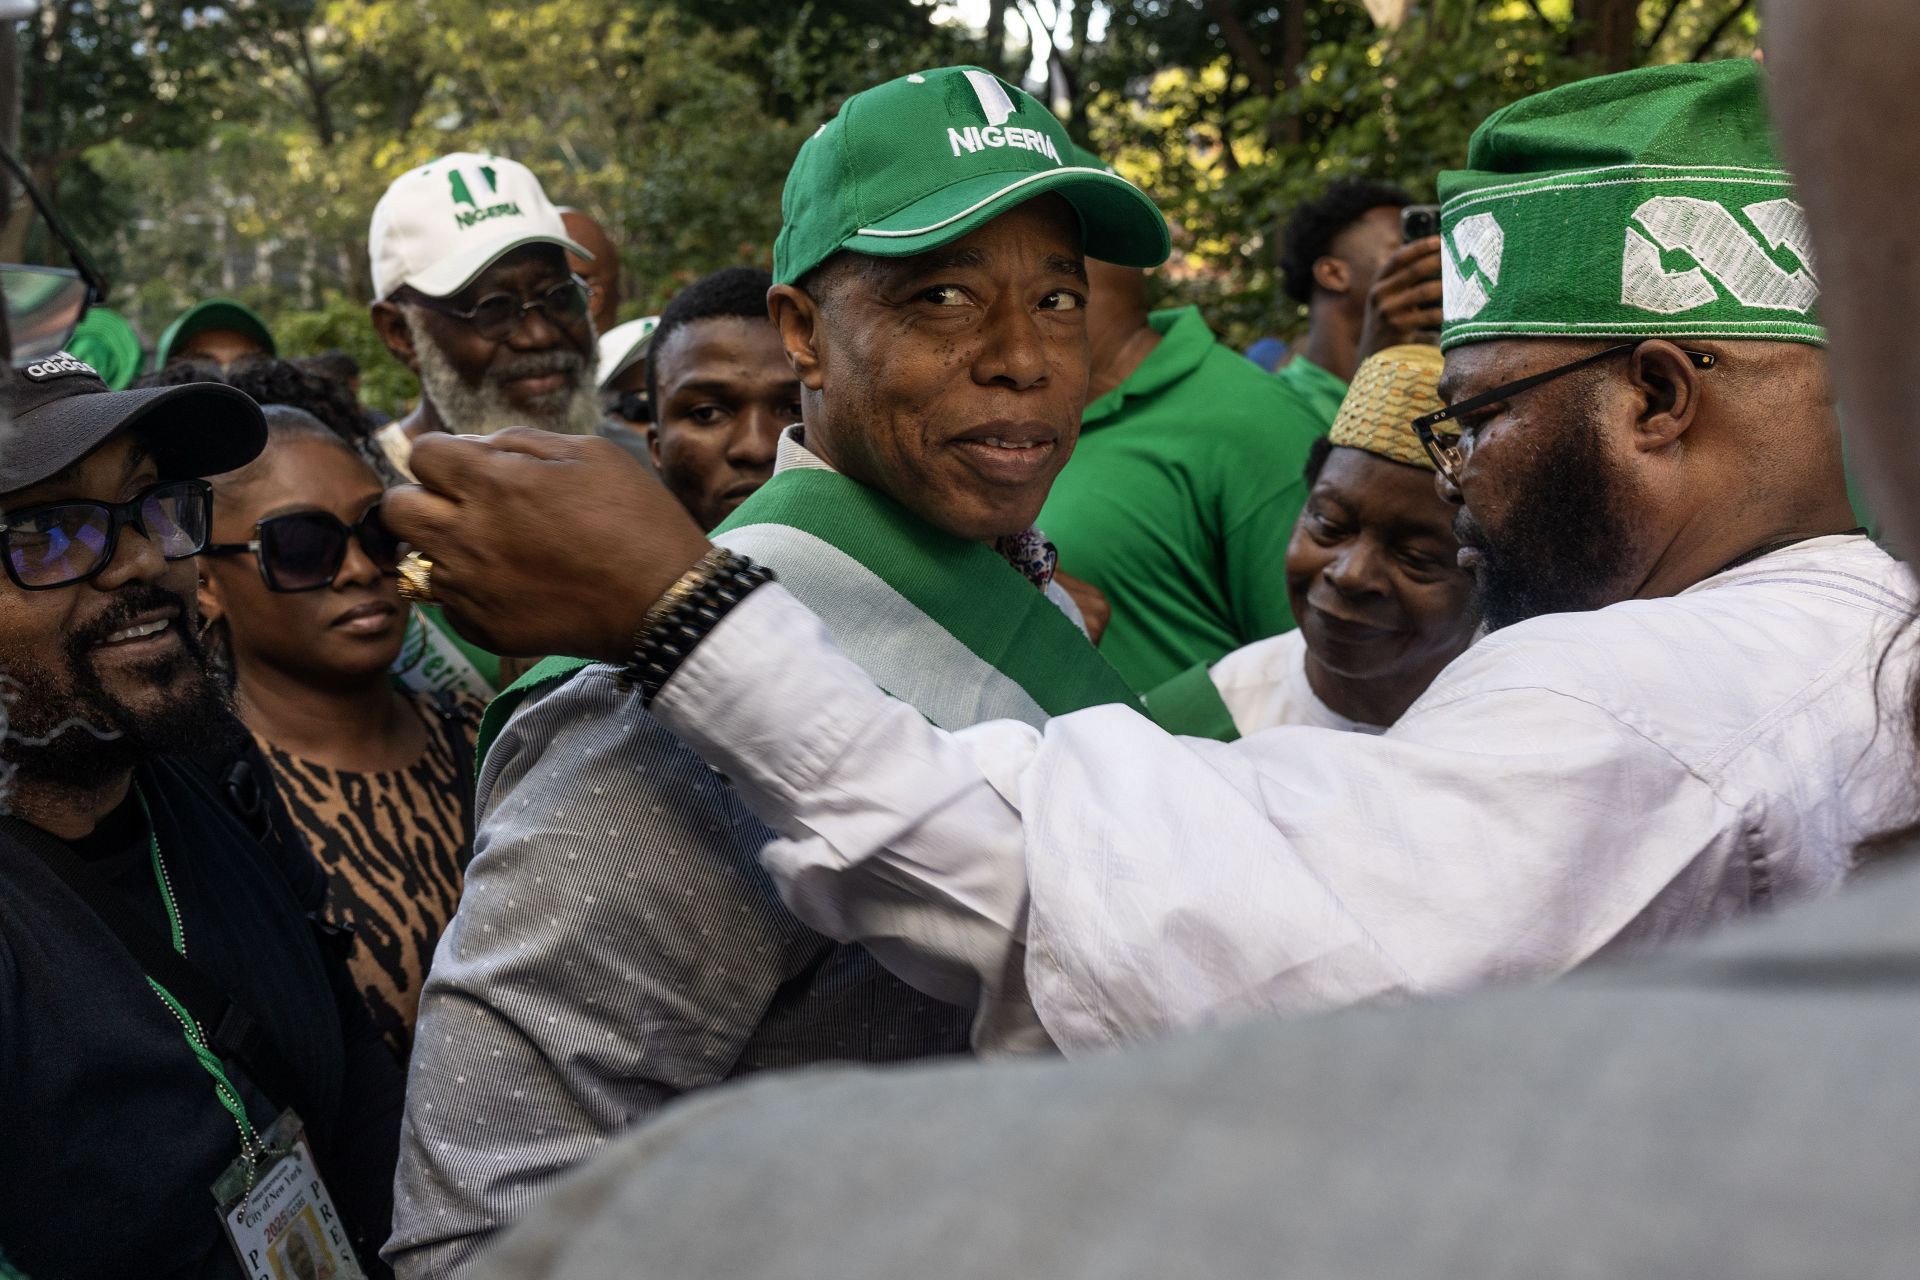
[{"x": 238, "y": 148}]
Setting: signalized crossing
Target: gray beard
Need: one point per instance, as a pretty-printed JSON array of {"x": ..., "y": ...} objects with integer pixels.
[{"x": 573, "y": 410}]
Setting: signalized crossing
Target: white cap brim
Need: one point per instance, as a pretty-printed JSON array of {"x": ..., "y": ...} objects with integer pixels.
[
  {"x": 622, "y": 346},
  {"x": 452, "y": 274}
]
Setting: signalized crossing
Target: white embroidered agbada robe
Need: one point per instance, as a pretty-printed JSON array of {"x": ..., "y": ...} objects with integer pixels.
[{"x": 1573, "y": 786}]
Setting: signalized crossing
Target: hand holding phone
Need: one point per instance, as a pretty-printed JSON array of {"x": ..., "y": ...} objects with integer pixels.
[
  {"x": 1419, "y": 222},
  {"x": 1404, "y": 304}
]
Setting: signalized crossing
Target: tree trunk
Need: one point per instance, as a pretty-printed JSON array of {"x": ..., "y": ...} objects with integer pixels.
[
  {"x": 33, "y": 87},
  {"x": 1608, "y": 32},
  {"x": 1292, "y": 54},
  {"x": 997, "y": 36},
  {"x": 319, "y": 90},
  {"x": 22, "y": 217},
  {"x": 1719, "y": 29},
  {"x": 10, "y": 86},
  {"x": 1075, "y": 56},
  {"x": 1263, "y": 78},
  {"x": 1652, "y": 45},
  {"x": 1241, "y": 44},
  {"x": 10, "y": 132}
]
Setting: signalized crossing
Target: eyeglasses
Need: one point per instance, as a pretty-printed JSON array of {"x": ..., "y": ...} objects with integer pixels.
[
  {"x": 1446, "y": 449},
  {"x": 45, "y": 303},
  {"x": 303, "y": 550},
  {"x": 497, "y": 315},
  {"x": 62, "y": 543}
]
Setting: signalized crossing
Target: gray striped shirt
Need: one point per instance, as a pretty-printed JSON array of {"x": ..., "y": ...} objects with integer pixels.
[{"x": 617, "y": 945}]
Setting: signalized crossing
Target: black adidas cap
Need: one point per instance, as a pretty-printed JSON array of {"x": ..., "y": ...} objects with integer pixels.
[{"x": 56, "y": 411}]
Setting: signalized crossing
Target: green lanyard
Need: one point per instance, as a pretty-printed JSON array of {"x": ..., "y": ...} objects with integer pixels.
[{"x": 209, "y": 1061}]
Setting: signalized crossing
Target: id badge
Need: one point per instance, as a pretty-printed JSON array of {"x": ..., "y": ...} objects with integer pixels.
[{"x": 285, "y": 1226}]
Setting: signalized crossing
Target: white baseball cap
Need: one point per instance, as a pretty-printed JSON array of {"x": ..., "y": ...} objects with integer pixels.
[
  {"x": 622, "y": 346},
  {"x": 440, "y": 225}
]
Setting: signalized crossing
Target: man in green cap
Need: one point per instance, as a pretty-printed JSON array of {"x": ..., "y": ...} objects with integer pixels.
[
  {"x": 1675, "y": 720},
  {"x": 1185, "y": 485},
  {"x": 617, "y": 945},
  {"x": 218, "y": 331}
]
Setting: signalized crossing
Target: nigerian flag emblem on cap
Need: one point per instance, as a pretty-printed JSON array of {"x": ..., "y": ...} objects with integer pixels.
[
  {"x": 921, "y": 161},
  {"x": 1644, "y": 204}
]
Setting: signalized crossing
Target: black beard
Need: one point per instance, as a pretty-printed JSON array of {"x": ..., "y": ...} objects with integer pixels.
[
  {"x": 64, "y": 729},
  {"x": 1563, "y": 542}
]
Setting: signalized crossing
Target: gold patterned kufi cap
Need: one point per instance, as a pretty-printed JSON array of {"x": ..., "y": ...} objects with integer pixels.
[{"x": 1390, "y": 390}]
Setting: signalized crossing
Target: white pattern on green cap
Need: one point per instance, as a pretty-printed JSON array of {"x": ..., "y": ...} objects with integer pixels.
[{"x": 1640, "y": 204}]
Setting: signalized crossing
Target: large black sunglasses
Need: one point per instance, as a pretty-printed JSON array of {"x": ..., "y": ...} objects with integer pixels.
[
  {"x": 497, "y": 315},
  {"x": 1444, "y": 448},
  {"x": 61, "y": 543},
  {"x": 303, "y": 550}
]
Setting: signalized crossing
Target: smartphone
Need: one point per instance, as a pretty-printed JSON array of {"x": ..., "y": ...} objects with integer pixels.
[{"x": 1419, "y": 221}]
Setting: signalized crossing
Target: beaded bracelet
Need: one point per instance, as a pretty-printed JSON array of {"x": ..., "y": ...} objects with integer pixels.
[{"x": 685, "y": 613}]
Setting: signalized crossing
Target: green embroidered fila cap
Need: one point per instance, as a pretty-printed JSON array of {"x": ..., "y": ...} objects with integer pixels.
[
  {"x": 921, "y": 161},
  {"x": 1645, "y": 204}
]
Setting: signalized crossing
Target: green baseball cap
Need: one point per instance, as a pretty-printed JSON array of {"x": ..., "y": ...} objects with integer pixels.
[
  {"x": 213, "y": 313},
  {"x": 105, "y": 340},
  {"x": 1077, "y": 154},
  {"x": 921, "y": 161}
]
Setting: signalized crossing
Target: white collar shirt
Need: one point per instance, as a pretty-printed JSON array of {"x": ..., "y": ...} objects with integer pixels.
[{"x": 1264, "y": 685}]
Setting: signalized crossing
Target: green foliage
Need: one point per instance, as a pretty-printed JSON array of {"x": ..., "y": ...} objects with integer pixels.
[
  {"x": 1370, "y": 109},
  {"x": 1229, "y": 155},
  {"x": 340, "y": 324},
  {"x": 96, "y": 70},
  {"x": 240, "y": 147}
]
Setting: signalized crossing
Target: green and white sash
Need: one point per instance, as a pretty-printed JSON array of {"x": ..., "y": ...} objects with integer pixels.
[
  {"x": 939, "y": 622},
  {"x": 434, "y": 659}
]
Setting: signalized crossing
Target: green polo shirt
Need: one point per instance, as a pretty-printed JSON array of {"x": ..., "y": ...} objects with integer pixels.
[
  {"x": 1179, "y": 501},
  {"x": 1321, "y": 391}
]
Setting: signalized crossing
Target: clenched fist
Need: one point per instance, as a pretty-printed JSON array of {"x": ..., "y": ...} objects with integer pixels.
[{"x": 543, "y": 544}]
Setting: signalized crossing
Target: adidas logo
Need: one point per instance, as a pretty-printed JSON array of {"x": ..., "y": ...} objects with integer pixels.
[{"x": 58, "y": 365}]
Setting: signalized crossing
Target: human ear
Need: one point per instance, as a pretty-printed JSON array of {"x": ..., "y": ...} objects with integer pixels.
[
  {"x": 391, "y": 325},
  {"x": 208, "y": 597},
  {"x": 1332, "y": 274},
  {"x": 1669, "y": 389},
  {"x": 797, "y": 316}
]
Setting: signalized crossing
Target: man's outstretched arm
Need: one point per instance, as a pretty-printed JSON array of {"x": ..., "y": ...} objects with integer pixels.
[
  {"x": 1160, "y": 882},
  {"x": 552, "y": 544},
  {"x": 899, "y": 835}
]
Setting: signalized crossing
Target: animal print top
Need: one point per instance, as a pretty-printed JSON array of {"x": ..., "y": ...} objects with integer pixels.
[{"x": 395, "y": 846}]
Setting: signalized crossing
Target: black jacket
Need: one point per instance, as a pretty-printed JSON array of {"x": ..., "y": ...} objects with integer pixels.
[{"x": 112, "y": 1134}]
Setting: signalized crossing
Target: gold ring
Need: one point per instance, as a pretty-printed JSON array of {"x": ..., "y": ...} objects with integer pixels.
[{"x": 416, "y": 578}]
